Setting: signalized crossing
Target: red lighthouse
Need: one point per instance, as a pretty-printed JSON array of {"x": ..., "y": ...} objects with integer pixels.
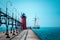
[{"x": 23, "y": 20}]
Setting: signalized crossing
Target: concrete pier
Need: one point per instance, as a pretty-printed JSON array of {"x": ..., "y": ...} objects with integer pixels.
[
  {"x": 31, "y": 35},
  {"x": 20, "y": 36},
  {"x": 24, "y": 35}
]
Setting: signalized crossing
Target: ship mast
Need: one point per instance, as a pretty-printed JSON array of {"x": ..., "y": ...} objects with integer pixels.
[{"x": 36, "y": 22}]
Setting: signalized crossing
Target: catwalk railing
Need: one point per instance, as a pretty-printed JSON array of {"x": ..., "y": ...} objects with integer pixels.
[{"x": 8, "y": 20}]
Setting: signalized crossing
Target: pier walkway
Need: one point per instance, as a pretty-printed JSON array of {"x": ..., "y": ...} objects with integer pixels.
[
  {"x": 24, "y": 35},
  {"x": 31, "y": 35},
  {"x": 20, "y": 36}
]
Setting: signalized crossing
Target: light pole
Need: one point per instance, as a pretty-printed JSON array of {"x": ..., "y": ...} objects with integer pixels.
[
  {"x": 7, "y": 33},
  {"x": 16, "y": 26},
  {"x": 12, "y": 28},
  {"x": 16, "y": 22},
  {"x": 0, "y": 17},
  {"x": 12, "y": 22}
]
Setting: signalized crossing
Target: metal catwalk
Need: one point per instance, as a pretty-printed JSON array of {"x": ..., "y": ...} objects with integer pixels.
[{"x": 8, "y": 20}]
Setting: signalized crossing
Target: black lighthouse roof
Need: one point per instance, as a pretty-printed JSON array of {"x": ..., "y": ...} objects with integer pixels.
[{"x": 23, "y": 15}]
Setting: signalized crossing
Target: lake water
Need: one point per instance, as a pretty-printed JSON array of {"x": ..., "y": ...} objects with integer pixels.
[
  {"x": 3, "y": 29},
  {"x": 48, "y": 33}
]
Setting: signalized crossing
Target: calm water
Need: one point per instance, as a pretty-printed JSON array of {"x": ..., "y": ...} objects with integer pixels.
[
  {"x": 3, "y": 29},
  {"x": 48, "y": 33}
]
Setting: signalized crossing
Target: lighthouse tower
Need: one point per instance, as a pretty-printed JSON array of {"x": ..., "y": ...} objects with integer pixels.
[{"x": 23, "y": 20}]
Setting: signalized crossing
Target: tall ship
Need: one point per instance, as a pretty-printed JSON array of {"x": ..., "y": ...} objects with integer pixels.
[{"x": 36, "y": 25}]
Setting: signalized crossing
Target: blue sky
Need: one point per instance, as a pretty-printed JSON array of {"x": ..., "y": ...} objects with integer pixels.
[{"x": 48, "y": 11}]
